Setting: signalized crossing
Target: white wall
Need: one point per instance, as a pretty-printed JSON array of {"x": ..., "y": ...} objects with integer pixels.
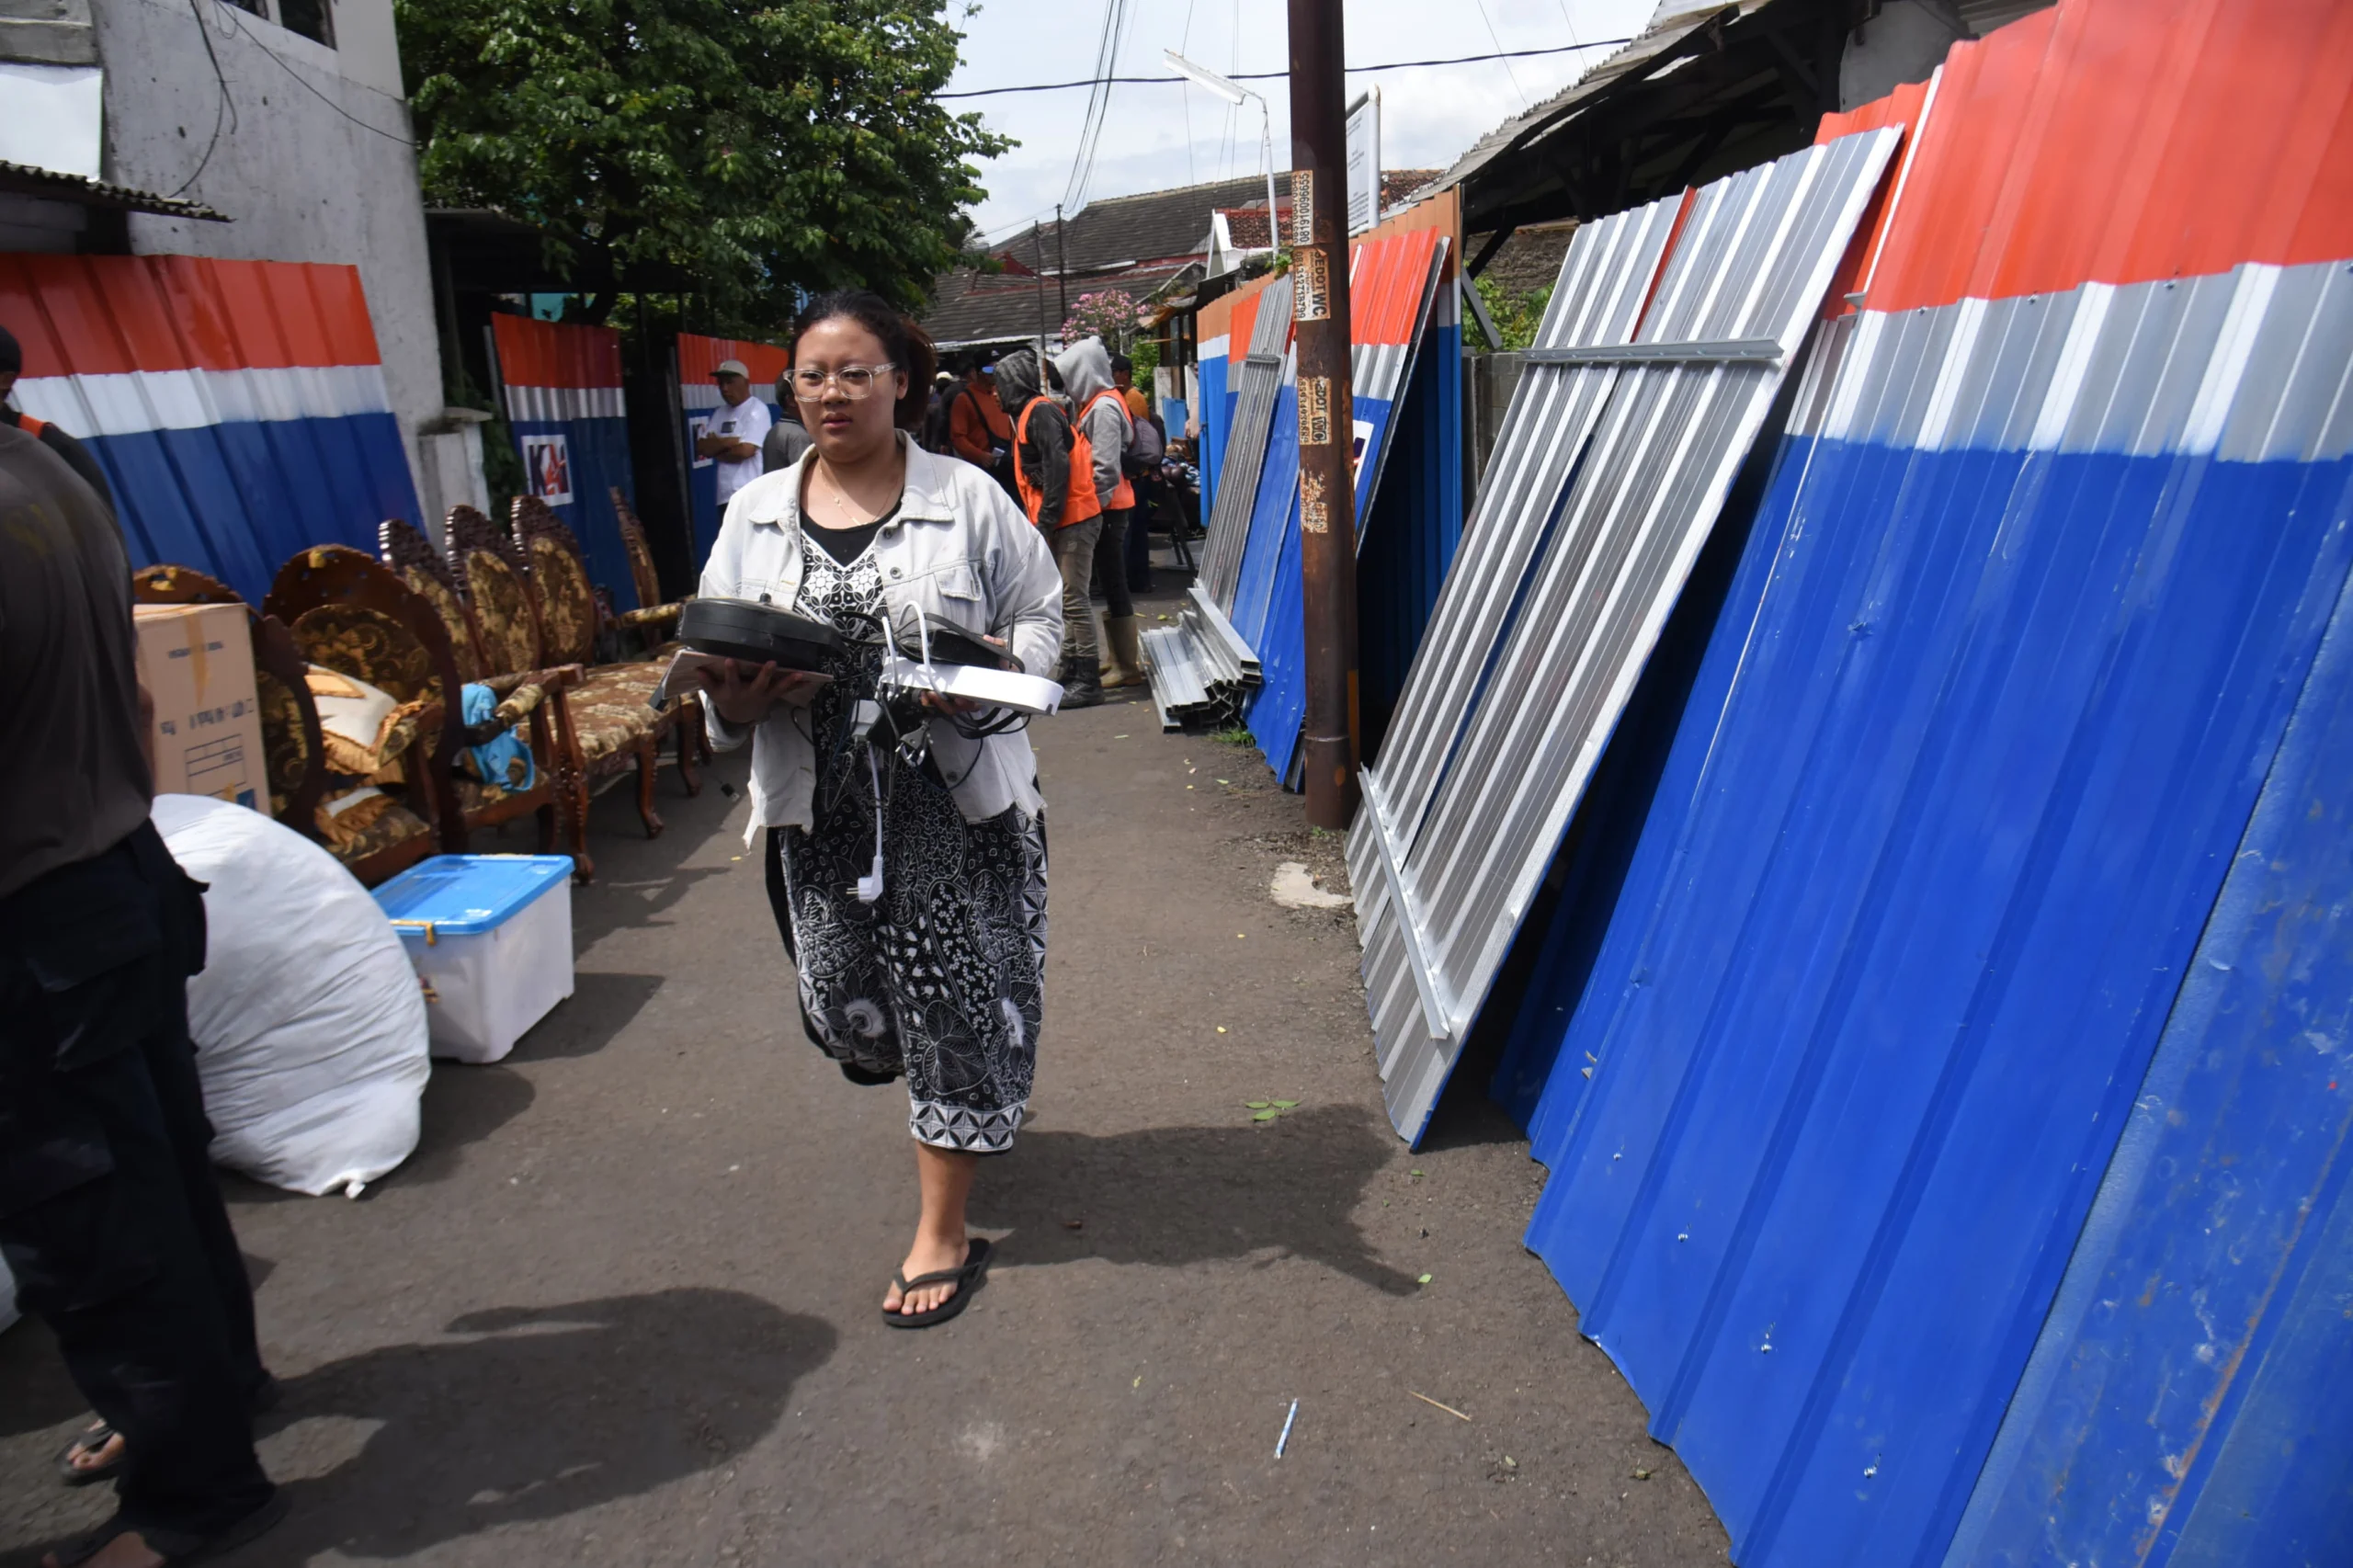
[{"x": 317, "y": 166}]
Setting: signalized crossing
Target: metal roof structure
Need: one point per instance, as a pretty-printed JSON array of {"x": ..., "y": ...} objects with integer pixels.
[
  {"x": 1708, "y": 88},
  {"x": 80, "y": 190}
]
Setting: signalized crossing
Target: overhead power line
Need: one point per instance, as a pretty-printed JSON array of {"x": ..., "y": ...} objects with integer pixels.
[{"x": 1274, "y": 76}]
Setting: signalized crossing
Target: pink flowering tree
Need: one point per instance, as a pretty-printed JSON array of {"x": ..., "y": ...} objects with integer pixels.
[{"x": 1109, "y": 315}]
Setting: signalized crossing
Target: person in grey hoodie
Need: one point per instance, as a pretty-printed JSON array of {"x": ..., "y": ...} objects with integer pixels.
[
  {"x": 1056, "y": 483},
  {"x": 1100, "y": 414}
]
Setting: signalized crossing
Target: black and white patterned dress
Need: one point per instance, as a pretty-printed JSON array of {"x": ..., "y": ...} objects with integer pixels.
[{"x": 942, "y": 980}]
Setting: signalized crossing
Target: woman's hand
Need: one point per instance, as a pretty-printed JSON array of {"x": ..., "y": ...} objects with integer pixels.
[
  {"x": 940, "y": 702},
  {"x": 745, "y": 699}
]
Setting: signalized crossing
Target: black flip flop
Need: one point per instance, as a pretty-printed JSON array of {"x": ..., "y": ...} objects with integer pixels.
[
  {"x": 265, "y": 1398},
  {"x": 96, "y": 1437},
  {"x": 176, "y": 1547},
  {"x": 966, "y": 1279}
]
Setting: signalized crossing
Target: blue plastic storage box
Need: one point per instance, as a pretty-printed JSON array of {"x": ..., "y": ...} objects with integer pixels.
[{"x": 491, "y": 935}]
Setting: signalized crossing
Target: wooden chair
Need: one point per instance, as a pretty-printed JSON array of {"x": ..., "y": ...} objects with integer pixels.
[
  {"x": 618, "y": 696},
  {"x": 304, "y": 790},
  {"x": 653, "y": 625},
  {"x": 528, "y": 696},
  {"x": 294, "y": 751},
  {"x": 650, "y": 624},
  {"x": 600, "y": 731}
]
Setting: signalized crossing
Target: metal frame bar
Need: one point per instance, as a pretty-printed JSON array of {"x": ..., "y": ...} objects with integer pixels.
[
  {"x": 1437, "y": 1012},
  {"x": 1727, "y": 350}
]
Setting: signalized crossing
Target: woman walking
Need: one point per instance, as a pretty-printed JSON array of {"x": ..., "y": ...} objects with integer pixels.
[{"x": 940, "y": 978}]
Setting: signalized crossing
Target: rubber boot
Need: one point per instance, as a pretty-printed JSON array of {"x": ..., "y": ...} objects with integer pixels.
[
  {"x": 1084, "y": 687},
  {"x": 1122, "y": 651}
]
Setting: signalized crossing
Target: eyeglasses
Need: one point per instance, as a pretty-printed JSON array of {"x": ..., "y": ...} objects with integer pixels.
[{"x": 856, "y": 382}]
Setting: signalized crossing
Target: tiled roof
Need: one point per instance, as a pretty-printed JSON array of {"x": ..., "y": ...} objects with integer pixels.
[
  {"x": 976, "y": 307},
  {"x": 1154, "y": 226}
]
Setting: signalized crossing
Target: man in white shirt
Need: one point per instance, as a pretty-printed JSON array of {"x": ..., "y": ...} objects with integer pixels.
[{"x": 733, "y": 438}]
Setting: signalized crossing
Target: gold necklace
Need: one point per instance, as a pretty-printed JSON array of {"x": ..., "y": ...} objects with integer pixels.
[{"x": 842, "y": 502}]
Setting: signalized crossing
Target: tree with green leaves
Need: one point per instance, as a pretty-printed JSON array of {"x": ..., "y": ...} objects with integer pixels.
[{"x": 757, "y": 148}]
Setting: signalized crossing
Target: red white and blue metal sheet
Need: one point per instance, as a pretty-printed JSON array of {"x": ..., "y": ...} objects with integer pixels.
[
  {"x": 2059, "y": 522},
  {"x": 237, "y": 407},
  {"x": 562, "y": 383},
  {"x": 1391, "y": 279},
  {"x": 699, "y": 358}
]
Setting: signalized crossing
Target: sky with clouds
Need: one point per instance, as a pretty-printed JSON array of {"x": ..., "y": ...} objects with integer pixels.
[{"x": 1161, "y": 136}]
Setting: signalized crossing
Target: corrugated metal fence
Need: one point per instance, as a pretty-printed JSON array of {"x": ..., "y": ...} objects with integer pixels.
[
  {"x": 562, "y": 386},
  {"x": 2059, "y": 522},
  {"x": 238, "y": 407}
]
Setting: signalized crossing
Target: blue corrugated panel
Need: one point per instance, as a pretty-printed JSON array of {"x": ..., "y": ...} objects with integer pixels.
[
  {"x": 2187, "y": 1401},
  {"x": 1408, "y": 537},
  {"x": 1391, "y": 278},
  {"x": 1217, "y": 417},
  {"x": 1273, "y": 514},
  {"x": 600, "y": 459},
  {"x": 2013, "y": 646}
]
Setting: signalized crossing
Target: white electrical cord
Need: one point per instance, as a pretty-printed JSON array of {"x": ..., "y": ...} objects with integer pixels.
[{"x": 870, "y": 888}]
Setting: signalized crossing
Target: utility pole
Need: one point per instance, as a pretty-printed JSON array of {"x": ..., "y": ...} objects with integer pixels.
[
  {"x": 1038, "y": 242},
  {"x": 1327, "y": 496},
  {"x": 1061, "y": 264}
]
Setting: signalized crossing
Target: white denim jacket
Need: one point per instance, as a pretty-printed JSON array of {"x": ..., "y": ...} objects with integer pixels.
[{"x": 957, "y": 548}]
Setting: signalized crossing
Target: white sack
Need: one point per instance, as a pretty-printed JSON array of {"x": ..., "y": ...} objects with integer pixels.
[{"x": 308, "y": 1023}]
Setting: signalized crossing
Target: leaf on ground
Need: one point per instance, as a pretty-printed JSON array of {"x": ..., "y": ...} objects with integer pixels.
[
  {"x": 1266, "y": 1115},
  {"x": 1286, "y": 1105},
  {"x": 1258, "y": 1104},
  {"x": 1423, "y": 1280}
]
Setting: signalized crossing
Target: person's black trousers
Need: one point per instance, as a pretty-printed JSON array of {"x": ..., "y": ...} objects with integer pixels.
[{"x": 110, "y": 1216}]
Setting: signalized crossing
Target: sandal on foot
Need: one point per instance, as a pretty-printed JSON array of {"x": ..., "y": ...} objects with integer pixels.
[
  {"x": 966, "y": 1279},
  {"x": 92, "y": 1437},
  {"x": 177, "y": 1548},
  {"x": 98, "y": 1435}
]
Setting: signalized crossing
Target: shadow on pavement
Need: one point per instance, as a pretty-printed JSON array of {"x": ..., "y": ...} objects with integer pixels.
[
  {"x": 1178, "y": 1195},
  {"x": 463, "y": 1105},
  {"x": 535, "y": 1413},
  {"x": 600, "y": 1006}
]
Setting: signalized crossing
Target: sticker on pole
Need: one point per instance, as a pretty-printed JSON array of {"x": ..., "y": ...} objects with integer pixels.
[
  {"x": 1314, "y": 411},
  {"x": 1312, "y": 284}
]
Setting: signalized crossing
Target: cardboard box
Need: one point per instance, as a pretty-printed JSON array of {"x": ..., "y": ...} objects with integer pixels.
[{"x": 198, "y": 664}]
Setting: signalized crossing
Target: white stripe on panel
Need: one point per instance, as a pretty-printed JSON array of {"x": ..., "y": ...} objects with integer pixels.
[{"x": 2227, "y": 368}]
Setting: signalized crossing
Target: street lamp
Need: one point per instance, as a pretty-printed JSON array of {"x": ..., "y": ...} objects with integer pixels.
[{"x": 1234, "y": 92}]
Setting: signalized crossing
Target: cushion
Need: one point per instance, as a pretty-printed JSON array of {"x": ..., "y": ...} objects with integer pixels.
[
  {"x": 610, "y": 710},
  {"x": 364, "y": 728},
  {"x": 358, "y": 823}
]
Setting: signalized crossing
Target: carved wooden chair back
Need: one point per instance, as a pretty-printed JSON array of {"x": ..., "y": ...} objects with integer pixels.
[
  {"x": 294, "y": 747},
  {"x": 504, "y": 605},
  {"x": 641, "y": 575},
  {"x": 568, "y": 617},
  {"x": 414, "y": 560}
]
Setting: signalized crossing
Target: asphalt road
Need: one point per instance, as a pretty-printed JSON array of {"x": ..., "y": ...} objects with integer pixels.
[{"x": 621, "y": 1306}]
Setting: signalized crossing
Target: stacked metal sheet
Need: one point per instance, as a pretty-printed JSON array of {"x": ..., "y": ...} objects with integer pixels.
[
  {"x": 1665, "y": 342},
  {"x": 1202, "y": 670}
]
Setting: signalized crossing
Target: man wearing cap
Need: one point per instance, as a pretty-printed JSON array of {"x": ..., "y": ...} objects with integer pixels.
[
  {"x": 732, "y": 439},
  {"x": 77, "y": 456}
]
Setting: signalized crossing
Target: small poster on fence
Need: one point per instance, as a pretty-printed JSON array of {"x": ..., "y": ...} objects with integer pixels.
[{"x": 547, "y": 464}]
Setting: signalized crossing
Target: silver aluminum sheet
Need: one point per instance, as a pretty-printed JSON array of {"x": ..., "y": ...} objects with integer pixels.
[{"x": 1606, "y": 479}]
